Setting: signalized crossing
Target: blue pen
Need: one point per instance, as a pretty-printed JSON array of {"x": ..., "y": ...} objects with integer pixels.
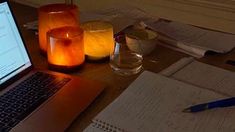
[{"x": 210, "y": 105}]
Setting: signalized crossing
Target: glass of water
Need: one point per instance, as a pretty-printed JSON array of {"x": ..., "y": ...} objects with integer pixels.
[{"x": 124, "y": 61}]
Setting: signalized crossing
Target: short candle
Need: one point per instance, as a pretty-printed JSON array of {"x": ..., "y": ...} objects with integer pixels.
[
  {"x": 65, "y": 48},
  {"x": 98, "y": 39},
  {"x": 54, "y": 16}
]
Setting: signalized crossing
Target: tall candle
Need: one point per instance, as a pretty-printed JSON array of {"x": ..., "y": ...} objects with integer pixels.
[
  {"x": 54, "y": 16},
  {"x": 65, "y": 48},
  {"x": 98, "y": 39}
]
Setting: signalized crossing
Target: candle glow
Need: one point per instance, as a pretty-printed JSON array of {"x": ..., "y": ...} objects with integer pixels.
[
  {"x": 65, "y": 47},
  {"x": 98, "y": 39},
  {"x": 54, "y": 16}
]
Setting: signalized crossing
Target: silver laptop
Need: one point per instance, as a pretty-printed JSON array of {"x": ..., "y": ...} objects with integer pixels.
[{"x": 33, "y": 100}]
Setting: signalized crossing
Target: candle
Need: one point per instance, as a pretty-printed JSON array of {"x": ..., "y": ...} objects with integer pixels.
[
  {"x": 65, "y": 48},
  {"x": 98, "y": 39},
  {"x": 54, "y": 16}
]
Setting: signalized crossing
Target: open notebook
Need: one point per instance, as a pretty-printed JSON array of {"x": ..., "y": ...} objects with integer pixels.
[{"x": 154, "y": 102}]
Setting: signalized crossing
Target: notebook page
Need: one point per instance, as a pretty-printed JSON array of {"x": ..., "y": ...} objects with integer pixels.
[
  {"x": 177, "y": 66},
  {"x": 207, "y": 76},
  {"x": 155, "y": 103},
  {"x": 92, "y": 128}
]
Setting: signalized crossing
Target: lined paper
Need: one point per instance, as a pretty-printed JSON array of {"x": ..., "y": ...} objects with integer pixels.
[
  {"x": 155, "y": 103},
  {"x": 207, "y": 76}
]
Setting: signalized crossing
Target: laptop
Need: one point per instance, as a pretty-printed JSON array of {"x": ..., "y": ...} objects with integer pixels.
[{"x": 32, "y": 99}]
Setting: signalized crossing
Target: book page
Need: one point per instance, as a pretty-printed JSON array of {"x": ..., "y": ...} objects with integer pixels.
[{"x": 155, "y": 103}]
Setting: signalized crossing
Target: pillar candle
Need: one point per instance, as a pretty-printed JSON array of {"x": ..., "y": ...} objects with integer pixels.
[
  {"x": 65, "y": 48},
  {"x": 98, "y": 39},
  {"x": 54, "y": 16}
]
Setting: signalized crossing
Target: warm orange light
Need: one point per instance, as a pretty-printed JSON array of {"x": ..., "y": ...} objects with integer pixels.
[
  {"x": 65, "y": 47},
  {"x": 98, "y": 39},
  {"x": 54, "y": 16}
]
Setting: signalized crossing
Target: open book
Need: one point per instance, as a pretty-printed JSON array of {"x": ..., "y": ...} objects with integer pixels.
[
  {"x": 192, "y": 40},
  {"x": 154, "y": 103}
]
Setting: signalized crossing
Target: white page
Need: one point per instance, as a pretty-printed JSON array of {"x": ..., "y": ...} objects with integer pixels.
[
  {"x": 92, "y": 128},
  {"x": 119, "y": 17},
  {"x": 155, "y": 103},
  {"x": 207, "y": 76},
  {"x": 175, "y": 67},
  {"x": 203, "y": 75},
  {"x": 178, "y": 46},
  {"x": 195, "y": 37},
  {"x": 213, "y": 16}
]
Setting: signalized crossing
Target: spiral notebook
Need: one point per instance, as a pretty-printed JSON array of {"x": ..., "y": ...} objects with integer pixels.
[{"x": 154, "y": 102}]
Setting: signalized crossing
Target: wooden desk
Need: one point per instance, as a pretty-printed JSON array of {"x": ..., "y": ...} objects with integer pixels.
[{"x": 157, "y": 61}]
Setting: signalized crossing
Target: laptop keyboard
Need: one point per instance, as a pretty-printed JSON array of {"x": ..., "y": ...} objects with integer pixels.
[{"x": 21, "y": 100}]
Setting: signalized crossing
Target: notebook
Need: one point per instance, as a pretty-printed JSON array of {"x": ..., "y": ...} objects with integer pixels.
[
  {"x": 34, "y": 100},
  {"x": 154, "y": 103},
  {"x": 203, "y": 75}
]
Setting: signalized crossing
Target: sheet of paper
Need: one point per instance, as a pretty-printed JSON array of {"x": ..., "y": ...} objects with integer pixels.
[
  {"x": 196, "y": 12},
  {"x": 92, "y": 128},
  {"x": 155, "y": 103},
  {"x": 120, "y": 17},
  {"x": 202, "y": 75},
  {"x": 181, "y": 47},
  {"x": 207, "y": 76},
  {"x": 211, "y": 14},
  {"x": 187, "y": 36},
  {"x": 175, "y": 67}
]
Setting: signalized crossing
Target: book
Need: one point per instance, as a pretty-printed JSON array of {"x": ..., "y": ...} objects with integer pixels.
[{"x": 154, "y": 102}]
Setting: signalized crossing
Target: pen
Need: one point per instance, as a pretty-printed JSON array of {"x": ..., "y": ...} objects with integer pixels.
[{"x": 211, "y": 105}]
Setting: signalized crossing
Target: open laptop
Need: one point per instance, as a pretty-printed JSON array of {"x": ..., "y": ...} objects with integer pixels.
[{"x": 33, "y": 100}]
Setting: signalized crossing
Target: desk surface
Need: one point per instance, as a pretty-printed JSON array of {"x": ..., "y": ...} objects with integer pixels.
[{"x": 161, "y": 58}]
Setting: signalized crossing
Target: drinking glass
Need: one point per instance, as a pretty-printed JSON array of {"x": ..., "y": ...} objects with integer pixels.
[{"x": 124, "y": 61}]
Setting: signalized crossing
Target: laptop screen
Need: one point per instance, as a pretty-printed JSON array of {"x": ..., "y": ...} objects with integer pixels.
[{"x": 13, "y": 55}]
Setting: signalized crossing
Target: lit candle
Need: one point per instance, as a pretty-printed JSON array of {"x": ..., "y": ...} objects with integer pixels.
[
  {"x": 65, "y": 48},
  {"x": 98, "y": 39},
  {"x": 54, "y": 16}
]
